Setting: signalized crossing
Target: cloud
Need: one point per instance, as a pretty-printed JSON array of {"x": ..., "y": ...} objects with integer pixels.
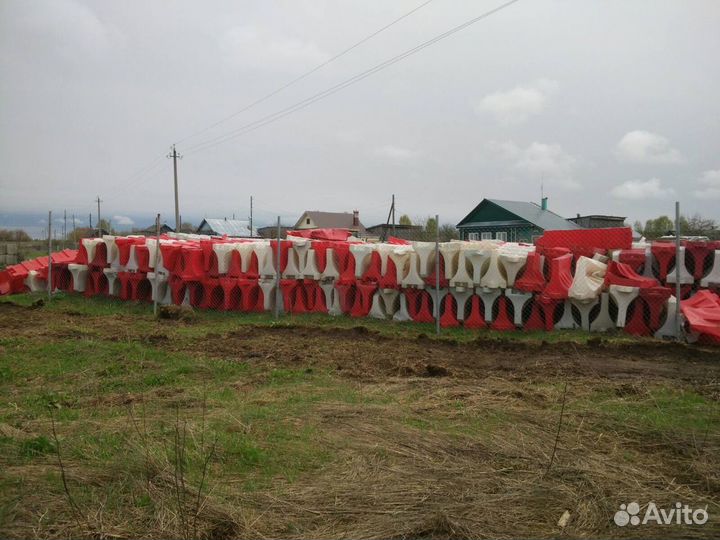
[
  {"x": 711, "y": 182},
  {"x": 395, "y": 152},
  {"x": 645, "y": 147},
  {"x": 123, "y": 221},
  {"x": 517, "y": 105},
  {"x": 547, "y": 162},
  {"x": 635, "y": 190},
  {"x": 262, "y": 49}
]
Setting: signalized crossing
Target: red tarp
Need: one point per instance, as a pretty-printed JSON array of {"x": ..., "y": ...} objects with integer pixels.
[
  {"x": 337, "y": 235},
  {"x": 610, "y": 238},
  {"x": 702, "y": 312}
]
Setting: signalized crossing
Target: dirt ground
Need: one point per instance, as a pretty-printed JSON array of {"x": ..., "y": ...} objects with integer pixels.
[{"x": 438, "y": 438}]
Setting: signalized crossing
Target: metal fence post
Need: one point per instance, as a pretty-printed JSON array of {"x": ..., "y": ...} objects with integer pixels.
[
  {"x": 155, "y": 263},
  {"x": 49, "y": 278},
  {"x": 677, "y": 269},
  {"x": 437, "y": 274},
  {"x": 277, "y": 272}
]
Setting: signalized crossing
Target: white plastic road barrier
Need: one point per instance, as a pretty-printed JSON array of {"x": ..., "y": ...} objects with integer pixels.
[
  {"x": 648, "y": 268},
  {"x": 266, "y": 259},
  {"x": 400, "y": 256},
  {"x": 437, "y": 296},
  {"x": 332, "y": 300},
  {"x": 513, "y": 259},
  {"x": 623, "y": 296},
  {"x": 402, "y": 314},
  {"x": 518, "y": 299},
  {"x": 111, "y": 251},
  {"x": 685, "y": 276},
  {"x": 603, "y": 322},
  {"x": 585, "y": 307},
  {"x": 160, "y": 290},
  {"x": 267, "y": 285},
  {"x": 331, "y": 270},
  {"x": 79, "y": 274},
  {"x": 34, "y": 282},
  {"x": 713, "y": 278},
  {"x": 246, "y": 251},
  {"x": 463, "y": 275},
  {"x": 292, "y": 268},
  {"x": 362, "y": 254},
  {"x": 488, "y": 296},
  {"x": 223, "y": 252},
  {"x": 479, "y": 258},
  {"x": 310, "y": 270},
  {"x": 450, "y": 252},
  {"x": 412, "y": 278},
  {"x": 567, "y": 321},
  {"x": 152, "y": 247},
  {"x": 132, "y": 265},
  {"x": 384, "y": 305},
  {"x": 113, "y": 281},
  {"x": 301, "y": 246},
  {"x": 461, "y": 296},
  {"x": 668, "y": 330},
  {"x": 425, "y": 252},
  {"x": 493, "y": 279},
  {"x": 588, "y": 280},
  {"x": 384, "y": 250},
  {"x": 90, "y": 244},
  {"x": 390, "y": 300}
]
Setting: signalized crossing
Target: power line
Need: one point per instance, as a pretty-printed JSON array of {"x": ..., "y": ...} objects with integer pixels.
[
  {"x": 304, "y": 75},
  {"x": 340, "y": 86}
]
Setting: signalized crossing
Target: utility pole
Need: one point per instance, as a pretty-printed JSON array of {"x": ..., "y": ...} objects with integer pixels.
[
  {"x": 251, "y": 229},
  {"x": 393, "y": 213},
  {"x": 174, "y": 155},
  {"x": 74, "y": 233},
  {"x": 64, "y": 233},
  {"x": 98, "y": 216},
  {"x": 90, "y": 217}
]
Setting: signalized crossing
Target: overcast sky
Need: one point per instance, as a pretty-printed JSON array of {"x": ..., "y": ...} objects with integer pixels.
[{"x": 613, "y": 104}]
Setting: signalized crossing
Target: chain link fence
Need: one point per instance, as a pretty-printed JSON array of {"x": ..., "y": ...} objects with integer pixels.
[{"x": 597, "y": 280}]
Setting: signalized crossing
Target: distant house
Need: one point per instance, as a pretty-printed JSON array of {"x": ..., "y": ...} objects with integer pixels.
[
  {"x": 152, "y": 231},
  {"x": 512, "y": 221},
  {"x": 313, "y": 219},
  {"x": 271, "y": 231},
  {"x": 406, "y": 232},
  {"x": 231, "y": 227},
  {"x": 598, "y": 222}
]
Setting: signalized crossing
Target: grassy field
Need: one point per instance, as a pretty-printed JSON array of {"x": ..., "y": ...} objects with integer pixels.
[{"x": 114, "y": 424}]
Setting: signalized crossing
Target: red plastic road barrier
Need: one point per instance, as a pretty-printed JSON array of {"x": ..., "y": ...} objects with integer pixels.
[
  {"x": 535, "y": 319},
  {"x": 177, "y": 289},
  {"x": 418, "y": 303},
  {"x": 636, "y": 324},
  {"x": 142, "y": 257},
  {"x": 698, "y": 254},
  {"x": 664, "y": 253},
  {"x": 560, "y": 277},
  {"x": 251, "y": 295},
  {"x": 532, "y": 279},
  {"x": 96, "y": 283},
  {"x": 610, "y": 238},
  {"x": 346, "y": 260},
  {"x": 430, "y": 278},
  {"x": 288, "y": 288},
  {"x": 335, "y": 235},
  {"x": 548, "y": 306},
  {"x": 634, "y": 258},
  {"x": 373, "y": 272},
  {"x": 125, "y": 285},
  {"x": 389, "y": 280},
  {"x": 448, "y": 318},
  {"x": 702, "y": 312},
  {"x": 189, "y": 266},
  {"x": 4, "y": 282},
  {"x": 232, "y": 296},
  {"x": 398, "y": 241},
  {"x": 476, "y": 318},
  {"x": 284, "y": 249},
  {"x": 655, "y": 299},
  {"x": 363, "y": 299},
  {"x": 170, "y": 256},
  {"x": 315, "y": 296},
  {"x": 622, "y": 274},
  {"x": 503, "y": 321},
  {"x": 100, "y": 256},
  {"x": 346, "y": 295}
]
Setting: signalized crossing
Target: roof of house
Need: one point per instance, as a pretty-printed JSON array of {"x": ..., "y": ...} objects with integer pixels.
[
  {"x": 398, "y": 226},
  {"x": 530, "y": 212},
  {"x": 230, "y": 227},
  {"x": 330, "y": 220}
]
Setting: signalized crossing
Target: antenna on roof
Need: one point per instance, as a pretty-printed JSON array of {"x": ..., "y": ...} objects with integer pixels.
[{"x": 542, "y": 190}]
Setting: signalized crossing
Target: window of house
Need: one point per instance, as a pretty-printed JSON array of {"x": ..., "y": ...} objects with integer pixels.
[
  {"x": 473, "y": 236},
  {"x": 307, "y": 221},
  {"x": 501, "y": 235},
  {"x": 486, "y": 236}
]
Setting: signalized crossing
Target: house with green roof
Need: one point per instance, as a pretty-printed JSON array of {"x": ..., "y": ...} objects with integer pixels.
[{"x": 511, "y": 221}]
